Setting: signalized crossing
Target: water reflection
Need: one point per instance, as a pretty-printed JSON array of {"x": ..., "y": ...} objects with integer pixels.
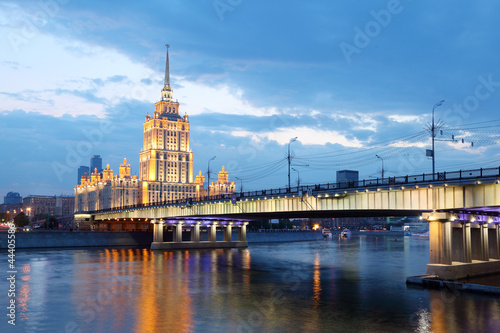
[{"x": 356, "y": 284}]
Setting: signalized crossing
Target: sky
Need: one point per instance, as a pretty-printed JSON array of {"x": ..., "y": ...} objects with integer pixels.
[{"x": 352, "y": 80}]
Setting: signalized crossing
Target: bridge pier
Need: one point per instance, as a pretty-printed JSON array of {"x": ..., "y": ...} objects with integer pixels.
[
  {"x": 195, "y": 242},
  {"x": 464, "y": 248},
  {"x": 177, "y": 237},
  {"x": 195, "y": 232},
  {"x": 228, "y": 232},
  {"x": 212, "y": 232},
  {"x": 242, "y": 232},
  {"x": 158, "y": 231}
]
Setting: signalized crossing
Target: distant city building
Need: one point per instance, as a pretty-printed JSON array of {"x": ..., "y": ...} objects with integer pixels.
[
  {"x": 12, "y": 198},
  {"x": 96, "y": 163},
  {"x": 40, "y": 205},
  {"x": 345, "y": 176},
  {"x": 82, "y": 171},
  {"x": 65, "y": 205}
]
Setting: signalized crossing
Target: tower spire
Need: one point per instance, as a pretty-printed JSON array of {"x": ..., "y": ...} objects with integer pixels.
[
  {"x": 167, "y": 70},
  {"x": 166, "y": 92}
]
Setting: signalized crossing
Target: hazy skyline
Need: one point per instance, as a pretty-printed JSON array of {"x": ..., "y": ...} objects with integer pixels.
[{"x": 350, "y": 80}]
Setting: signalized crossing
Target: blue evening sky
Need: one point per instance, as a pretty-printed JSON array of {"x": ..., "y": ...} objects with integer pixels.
[{"x": 349, "y": 79}]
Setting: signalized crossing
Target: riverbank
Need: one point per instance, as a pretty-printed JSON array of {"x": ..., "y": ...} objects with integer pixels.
[{"x": 61, "y": 239}]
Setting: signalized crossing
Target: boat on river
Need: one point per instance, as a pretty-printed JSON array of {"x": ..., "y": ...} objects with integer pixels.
[
  {"x": 326, "y": 233},
  {"x": 346, "y": 233}
]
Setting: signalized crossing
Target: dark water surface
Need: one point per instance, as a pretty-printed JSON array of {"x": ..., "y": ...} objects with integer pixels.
[{"x": 354, "y": 285}]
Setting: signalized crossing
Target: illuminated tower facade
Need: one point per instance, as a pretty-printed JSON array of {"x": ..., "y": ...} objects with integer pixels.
[{"x": 166, "y": 160}]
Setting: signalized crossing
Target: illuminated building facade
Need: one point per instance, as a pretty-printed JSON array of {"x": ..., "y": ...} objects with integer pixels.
[
  {"x": 166, "y": 161},
  {"x": 221, "y": 186},
  {"x": 166, "y": 165},
  {"x": 107, "y": 190}
]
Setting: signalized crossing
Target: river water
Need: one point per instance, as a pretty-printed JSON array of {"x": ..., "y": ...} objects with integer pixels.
[{"x": 338, "y": 285}]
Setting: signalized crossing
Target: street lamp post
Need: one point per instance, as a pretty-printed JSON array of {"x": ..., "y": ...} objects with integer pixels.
[
  {"x": 433, "y": 134},
  {"x": 382, "y": 166},
  {"x": 241, "y": 184},
  {"x": 208, "y": 175},
  {"x": 289, "y": 158}
]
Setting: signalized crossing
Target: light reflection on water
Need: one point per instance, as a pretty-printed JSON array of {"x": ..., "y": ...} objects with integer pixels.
[{"x": 344, "y": 285}]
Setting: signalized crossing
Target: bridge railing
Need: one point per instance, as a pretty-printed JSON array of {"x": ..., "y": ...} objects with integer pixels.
[{"x": 325, "y": 188}]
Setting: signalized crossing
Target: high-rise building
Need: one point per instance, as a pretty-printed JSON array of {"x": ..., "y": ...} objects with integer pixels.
[
  {"x": 82, "y": 171},
  {"x": 95, "y": 163},
  {"x": 166, "y": 165},
  {"x": 166, "y": 161}
]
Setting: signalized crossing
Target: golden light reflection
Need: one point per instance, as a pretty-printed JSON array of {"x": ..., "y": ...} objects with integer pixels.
[
  {"x": 317, "y": 281},
  {"x": 246, "y": 264},
  {"x": 23, "y": 296},
  {"x": 163, "y": 298}
]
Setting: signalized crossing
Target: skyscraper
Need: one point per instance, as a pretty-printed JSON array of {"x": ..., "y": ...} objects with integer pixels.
[
  {"x": 96, "y": 162},
  {"x": 81, "y": 172},
  {"x": 166, "y": 161}
]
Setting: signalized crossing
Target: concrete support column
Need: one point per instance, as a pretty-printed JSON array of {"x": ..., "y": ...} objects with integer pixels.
[
  {"x": 485, "y": 247},
  {"x": 178, "y": 232},
  {"x": 158, "y": 231},
  {"x": 242, "y": 232},
  {"x": 195, "y": 232},
  {"x": 440, "y": 242},
  {"x": 467, "y": 242},
  {"x": 212, "y": 232},
  {"x": 228, "y": 232}
]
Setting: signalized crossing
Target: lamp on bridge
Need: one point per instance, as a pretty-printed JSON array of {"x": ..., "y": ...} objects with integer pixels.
[
  {"x": 208, "y": 175},
  {"x": 382, "y": 166},
  {"x": 289, "y": 158},
  {"x": 241, "y": 184}
]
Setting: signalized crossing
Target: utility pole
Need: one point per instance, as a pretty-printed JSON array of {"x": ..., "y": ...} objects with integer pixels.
[
  {"x": 208, "y": 175},
  {"x": 433, "y": 134},
  {"x": 289, "y": 158}
]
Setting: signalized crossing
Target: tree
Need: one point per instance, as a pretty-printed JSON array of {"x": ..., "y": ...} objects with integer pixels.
[
  {"x": 21, "y": 220},
  {"x": 285, "y": 224}
]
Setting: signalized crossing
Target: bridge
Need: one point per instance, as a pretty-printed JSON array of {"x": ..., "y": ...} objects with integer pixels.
[{"x": 462, "y": 207}]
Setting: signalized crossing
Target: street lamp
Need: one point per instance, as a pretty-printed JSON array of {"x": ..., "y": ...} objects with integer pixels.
[
  {"x": 433, "y": 134},
  {"x": 382, "y": 165},
  {"x": 208, "y": 175},
  {"x": 289, "y": 158},
  {"x": 241, "y": 184}
]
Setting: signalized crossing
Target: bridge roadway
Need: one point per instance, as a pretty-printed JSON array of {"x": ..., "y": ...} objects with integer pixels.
[{"x": 463, "y": 210}]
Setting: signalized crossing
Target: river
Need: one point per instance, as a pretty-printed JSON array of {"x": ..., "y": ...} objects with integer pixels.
[{"x": 338, "y": 285}]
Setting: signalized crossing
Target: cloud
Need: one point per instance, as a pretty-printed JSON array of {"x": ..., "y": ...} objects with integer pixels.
[{"x": 306, "y": 135}]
